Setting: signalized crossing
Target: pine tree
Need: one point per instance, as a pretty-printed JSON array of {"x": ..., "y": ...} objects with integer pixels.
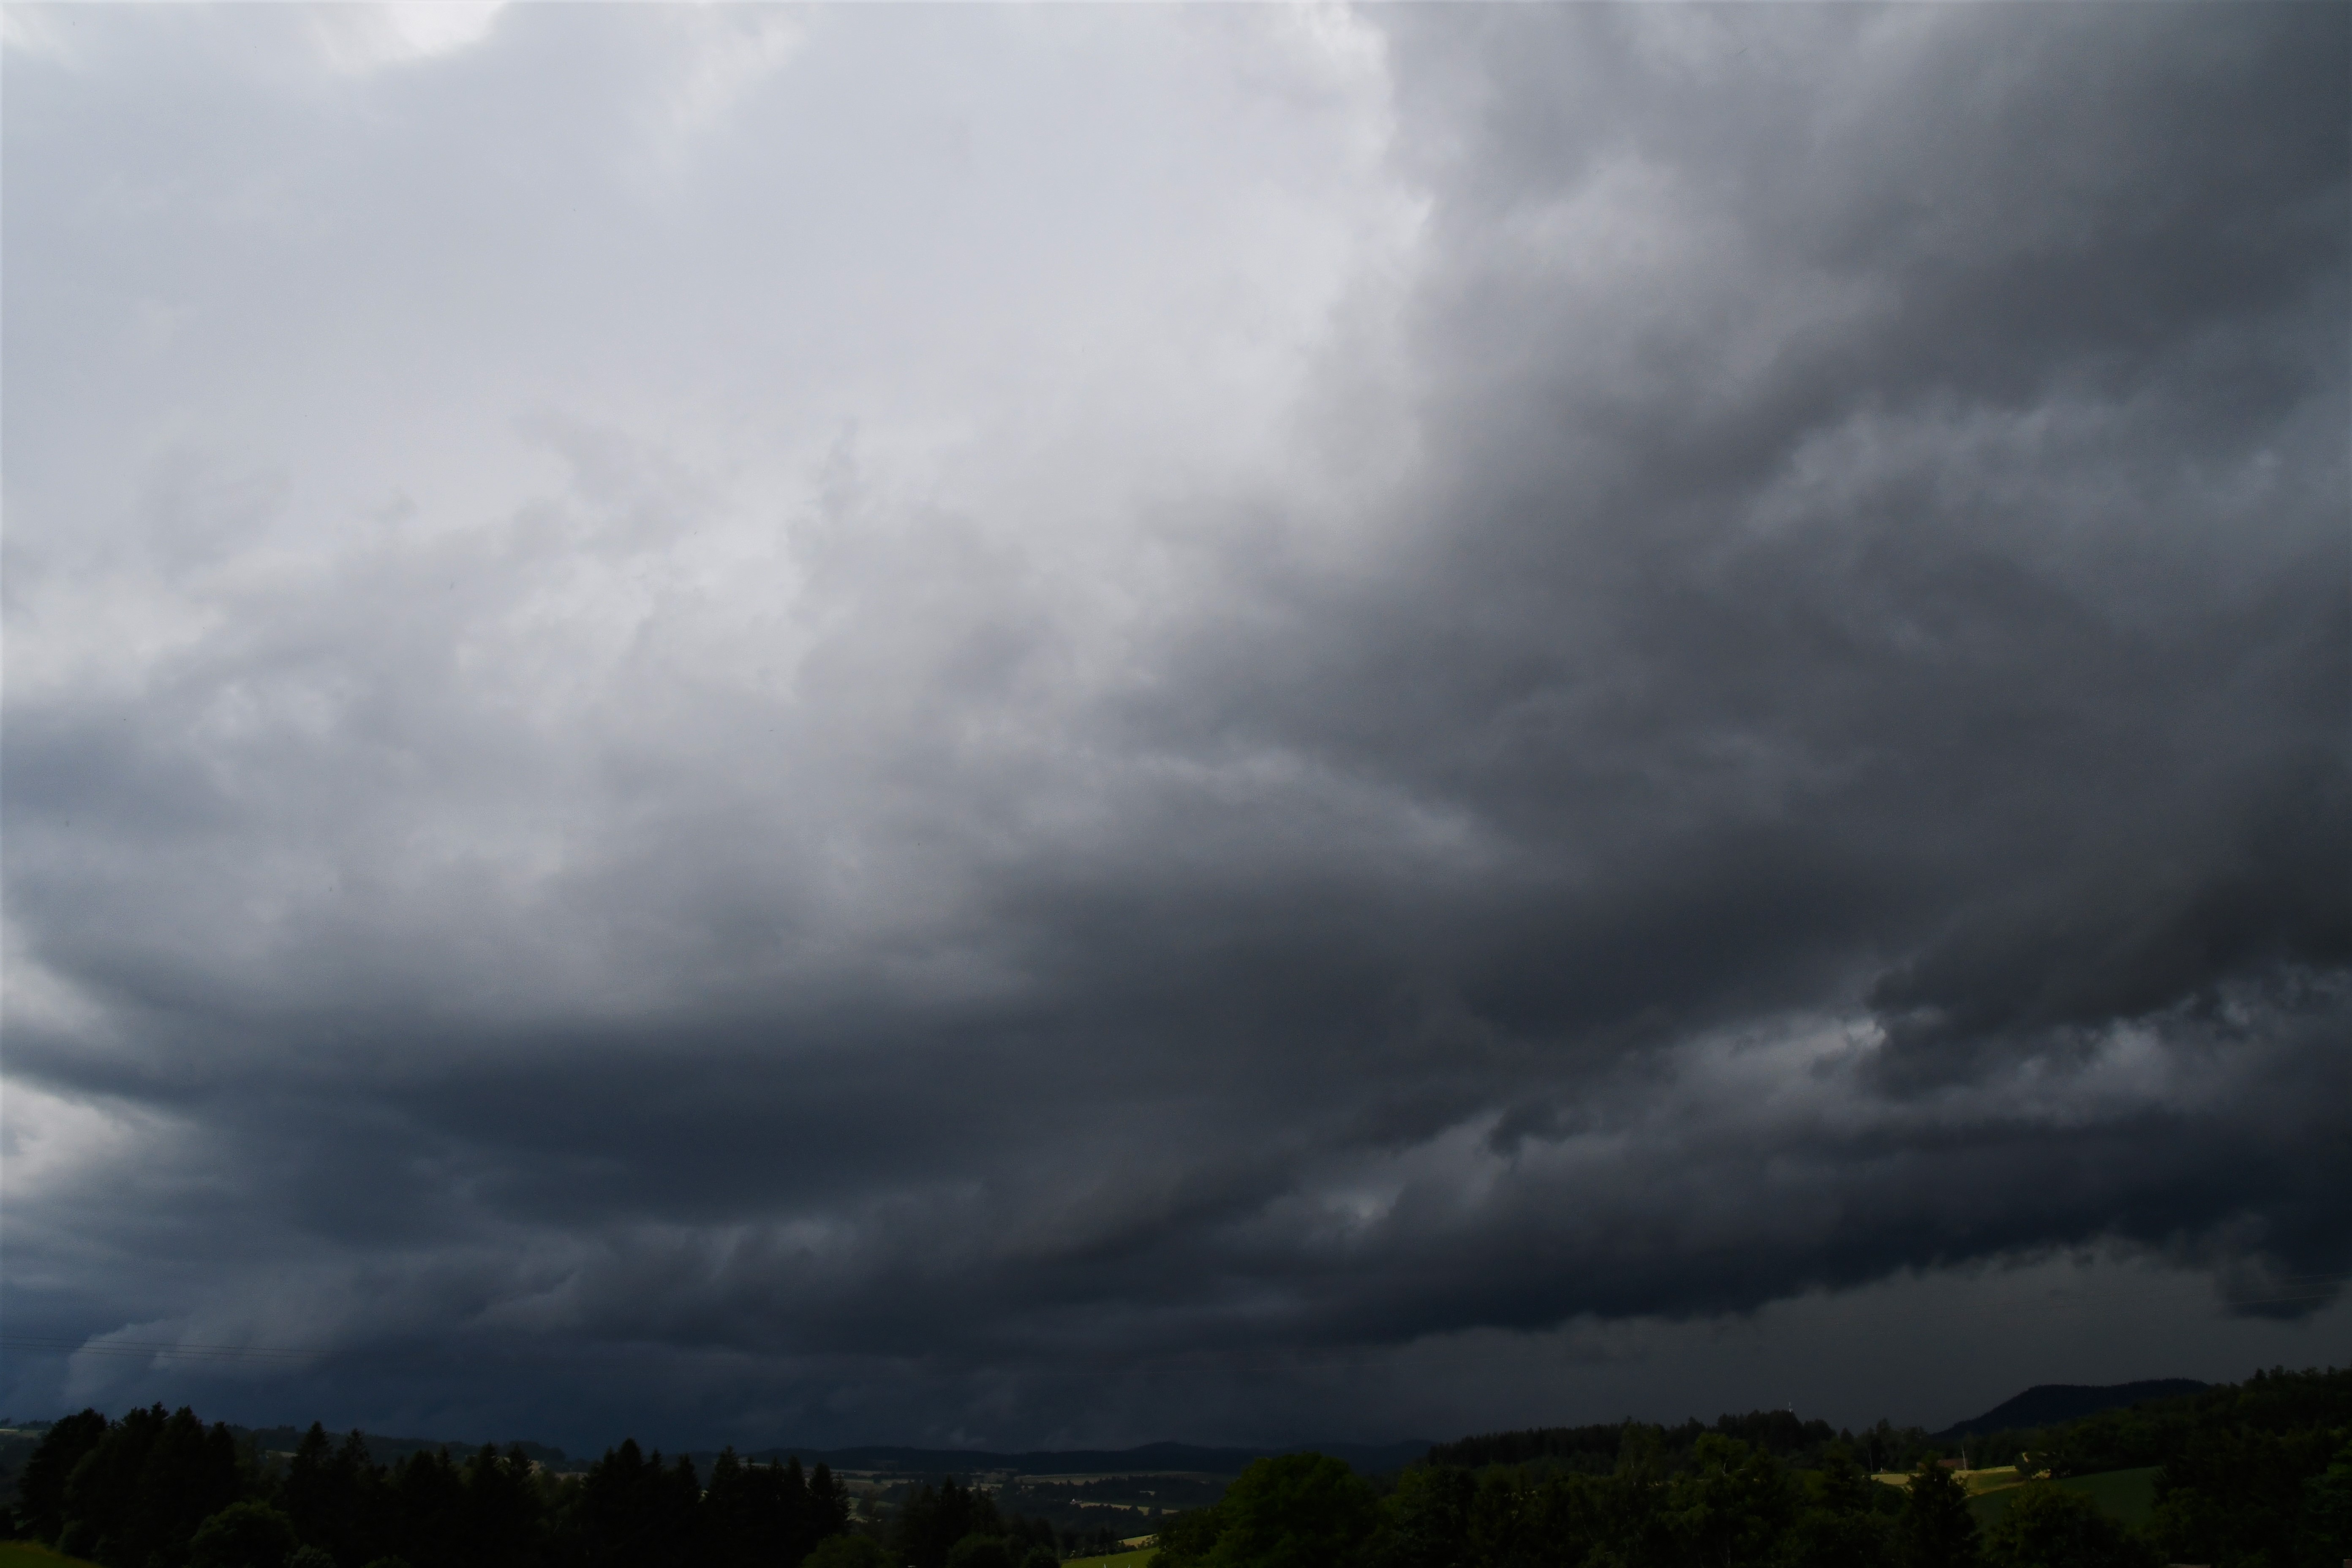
[
  {"x": 1936, "y": 1529},
  {"x": 41, "y": 1487}
]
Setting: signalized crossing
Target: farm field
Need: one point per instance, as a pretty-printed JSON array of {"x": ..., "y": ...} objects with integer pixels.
[
  {"x": 1979, "y": 1482},
  {"x": 1973, "y": 1481},
  {"x": 2128, "y": 1495}
]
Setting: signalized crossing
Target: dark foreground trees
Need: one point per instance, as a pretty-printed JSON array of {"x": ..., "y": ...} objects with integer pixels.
[
  {"x": 1720, "y": 1501},
  {"x": 41, "y": 1489},
  {"x": 945, "y": 1525},
  {"x": 1935, "y": 1529},
  {"x": 241, "y": 1534},
  {"x": 1301, "y": 1510},
  {"x": 2255, "y": 1476},
  {"x": 1728, "y": 1505},
  {"x": 141, "y": 1491},
  {"x": 157, "y": 1490},
  {"x": 2047, "y": 1527}
]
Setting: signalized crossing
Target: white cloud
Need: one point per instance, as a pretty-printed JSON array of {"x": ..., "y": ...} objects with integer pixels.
[{"x": 358, "y": 39}]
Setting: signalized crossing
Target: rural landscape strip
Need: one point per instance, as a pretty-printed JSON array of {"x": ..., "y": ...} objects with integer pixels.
[{"x": 2253, "y": 1475}]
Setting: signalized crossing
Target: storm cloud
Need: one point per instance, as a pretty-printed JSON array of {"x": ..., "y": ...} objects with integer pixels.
[{"x": 1020, "y": 726}]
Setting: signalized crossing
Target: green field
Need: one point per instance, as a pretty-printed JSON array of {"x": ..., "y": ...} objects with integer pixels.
[
  {"x": 1136, "y": 1559},
  {"x": 24, "y": 1555},
  {"x": 2128, "y": 1495}
]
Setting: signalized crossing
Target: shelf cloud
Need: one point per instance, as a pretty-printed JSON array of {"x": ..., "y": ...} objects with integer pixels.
[{"x": 1019, "y": 727}]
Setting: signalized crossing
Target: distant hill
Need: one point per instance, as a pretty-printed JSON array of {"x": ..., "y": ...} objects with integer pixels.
[
  {"x": 2048, "y": 1404},
  {"x": 386, "y": 1450},
  {"x": 1150, "y": 1457}
]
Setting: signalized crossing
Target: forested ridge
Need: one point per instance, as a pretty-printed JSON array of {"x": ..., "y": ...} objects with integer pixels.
[{"x": 2256, "y": 1475}]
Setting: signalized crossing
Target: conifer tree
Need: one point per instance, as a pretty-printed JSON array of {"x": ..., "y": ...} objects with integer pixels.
[
  {"x": 1936, "y": 1529},
  {"x": 41, "y": 1487}
]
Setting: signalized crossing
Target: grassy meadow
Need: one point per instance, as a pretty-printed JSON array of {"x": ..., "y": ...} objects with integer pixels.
[
  {"x": 25, "y": 1554},
  {"x": 2127, "y": 1495},
  {"x": 1139, "y": 1558}
]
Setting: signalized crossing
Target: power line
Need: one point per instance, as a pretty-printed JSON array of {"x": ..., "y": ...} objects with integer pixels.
[{"x": 159, "y": 1348}]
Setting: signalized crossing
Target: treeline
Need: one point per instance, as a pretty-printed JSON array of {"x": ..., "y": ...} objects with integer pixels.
[
  {"x": 1593, "y": 1449},
  {"x": 2255, "y": 1476},
  {"x": 157, "y": 1490},
  {"x": 1780, "y": 1433},
  {"x": 2296, "y": 1407},
  {"x": 2259, "y": 1476},
  {"x": 1729, "y": 1504}
]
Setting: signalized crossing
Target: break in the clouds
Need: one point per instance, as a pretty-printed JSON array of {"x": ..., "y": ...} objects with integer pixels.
[{"x": 1023, "y": 725}]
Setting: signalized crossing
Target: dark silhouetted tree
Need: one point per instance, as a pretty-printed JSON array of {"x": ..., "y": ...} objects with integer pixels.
[
  {"x": 1187, "y": 1539},
  {"x": 1839, "y": 1523},
  {"x": 828, "y": 1502},
  {"x": 981, "y": 1552},
  {"x": 498, "y": 1511},
  {"x": 2049, "y": 1527},
  {"x": 243, "y": 1535},
  {"x": 933, "y": 1519},
  {"x": 1426, "y": 1520},
  {"x": 1300, "y": 1511},
  {"x": 1732, "y": 1505},
  {"x": 135, "y": 1499},
  {"x": 1935, "y": 1529},
  {"x": 335, "y": 1494},
  {"x": 41, "y": 1487},
  {"x": 2327, "y": 1512}
]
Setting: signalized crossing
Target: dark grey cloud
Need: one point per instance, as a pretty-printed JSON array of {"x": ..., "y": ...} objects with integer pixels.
[{"x": 850, "y": 725}]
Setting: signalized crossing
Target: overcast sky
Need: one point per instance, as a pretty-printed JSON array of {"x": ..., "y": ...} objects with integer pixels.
[{"x": 1025, "y": 726}]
